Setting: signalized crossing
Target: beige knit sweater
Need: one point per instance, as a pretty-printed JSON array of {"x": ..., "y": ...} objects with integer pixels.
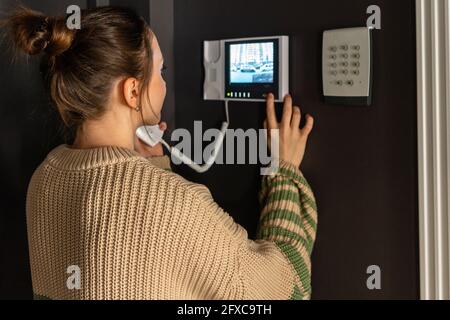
[{"x": 136, "y": 230}]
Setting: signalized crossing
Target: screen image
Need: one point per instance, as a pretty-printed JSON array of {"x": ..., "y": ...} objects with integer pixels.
[{"x": 251, "y": 62}]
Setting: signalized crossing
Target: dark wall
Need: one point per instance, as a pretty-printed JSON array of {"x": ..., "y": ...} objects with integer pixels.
[
  {"x": 361, "y": 162},
  {"x": 29, "y": 128}
]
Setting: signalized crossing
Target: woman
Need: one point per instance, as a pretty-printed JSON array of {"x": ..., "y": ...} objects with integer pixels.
[{"x": 106, "y": 217}]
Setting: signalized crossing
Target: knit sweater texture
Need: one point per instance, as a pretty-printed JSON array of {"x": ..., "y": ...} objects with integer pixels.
[{"x": 107, "y": 223}]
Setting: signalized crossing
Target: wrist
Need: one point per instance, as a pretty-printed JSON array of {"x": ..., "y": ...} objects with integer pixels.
[{"x": 289, "y": 169}]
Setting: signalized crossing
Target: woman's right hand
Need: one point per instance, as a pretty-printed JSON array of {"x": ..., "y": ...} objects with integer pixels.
[{"x": 292, "y": 138}]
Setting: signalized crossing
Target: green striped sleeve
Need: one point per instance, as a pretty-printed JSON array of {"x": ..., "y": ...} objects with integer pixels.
[
  {"x": 289, "y": 219},
  {"x": 40, "y": 297}
]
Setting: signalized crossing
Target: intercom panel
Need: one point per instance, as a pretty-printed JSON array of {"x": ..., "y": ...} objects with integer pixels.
[
  {"x": 246, "y": 69},
  {"x": 347, "y": 66}
]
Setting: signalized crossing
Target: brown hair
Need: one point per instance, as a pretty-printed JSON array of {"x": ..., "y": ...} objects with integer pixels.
[{"x": 80, "y": 66}]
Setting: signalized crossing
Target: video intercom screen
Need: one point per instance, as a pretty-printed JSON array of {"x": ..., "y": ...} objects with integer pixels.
[
  {"x": 251, "y": 68},
  {"x": 251, "y": 63}
]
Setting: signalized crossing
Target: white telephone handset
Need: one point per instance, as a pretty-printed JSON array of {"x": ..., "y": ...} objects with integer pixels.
[{"x": 153, "y": 137}]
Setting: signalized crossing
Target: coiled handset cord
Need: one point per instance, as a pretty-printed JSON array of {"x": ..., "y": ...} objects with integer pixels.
[{"x": 186, "y": 160}]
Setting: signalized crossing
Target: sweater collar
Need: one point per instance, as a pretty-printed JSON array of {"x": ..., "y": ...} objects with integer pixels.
[{"x": 67, "y": 158}]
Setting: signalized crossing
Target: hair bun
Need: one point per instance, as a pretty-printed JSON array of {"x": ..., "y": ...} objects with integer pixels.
[
  {"x": 34, "y": 33},
  {"x": 61, "y": 37}
]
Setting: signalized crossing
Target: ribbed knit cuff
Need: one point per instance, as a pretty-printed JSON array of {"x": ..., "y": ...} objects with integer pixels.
[
  {"x": 162, "y": 162},
  {"x": 289, "y": 170}
]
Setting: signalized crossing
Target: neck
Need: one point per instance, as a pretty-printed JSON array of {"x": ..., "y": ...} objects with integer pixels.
[{"x": 111, "y": 130}]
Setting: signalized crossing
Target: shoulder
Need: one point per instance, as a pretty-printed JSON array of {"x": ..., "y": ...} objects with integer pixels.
[
  {"x": 191, "y": 197},
  {"x": 156, "y": 171}
]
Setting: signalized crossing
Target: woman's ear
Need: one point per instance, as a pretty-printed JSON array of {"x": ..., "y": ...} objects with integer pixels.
[{"x": 131, "y": 92}]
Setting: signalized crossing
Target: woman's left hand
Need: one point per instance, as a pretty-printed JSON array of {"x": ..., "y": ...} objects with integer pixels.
[{"x": 147, "y": 151}]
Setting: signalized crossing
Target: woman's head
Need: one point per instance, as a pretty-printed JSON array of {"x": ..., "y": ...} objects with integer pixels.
[{"x": 113, "y": 61}]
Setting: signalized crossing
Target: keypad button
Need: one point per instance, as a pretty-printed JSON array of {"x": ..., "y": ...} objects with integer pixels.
[
  {"x": 355, "y": 72},
  {"x": 344, "y": 55},
  {"x": 333, "y": 49},
  {"x": 344, "y": 47},
  {"x": 356, "y": 47}
]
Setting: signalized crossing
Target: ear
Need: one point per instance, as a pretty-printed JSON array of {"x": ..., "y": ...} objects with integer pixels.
[{"x": 131, "y": 92}]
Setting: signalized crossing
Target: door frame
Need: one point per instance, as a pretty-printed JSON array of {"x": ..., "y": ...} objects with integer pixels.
[{"x": 433, "y": 128}]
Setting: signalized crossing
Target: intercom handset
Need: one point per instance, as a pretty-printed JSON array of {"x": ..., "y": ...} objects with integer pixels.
[
  {"x": 347, "y": 66},
  {"x": 153, "y": 137},
  {"x": 246, "y": 69}
]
